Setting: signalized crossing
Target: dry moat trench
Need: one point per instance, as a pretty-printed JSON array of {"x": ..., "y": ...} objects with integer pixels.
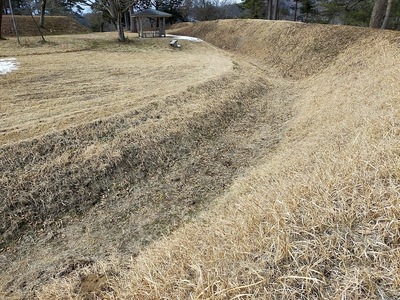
[
  {"x": 109, "y": 187},
  {"x": 299, "y": 223},
  {"x": 112, "y": 186}
]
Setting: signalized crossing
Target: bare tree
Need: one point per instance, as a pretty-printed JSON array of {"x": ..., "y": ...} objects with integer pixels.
[
  {"x": 377, "y": 14},
  {"x": 205, "y": 10},
  {"x": 115, "y": 11},
  {"x": 114, "y": 8}
]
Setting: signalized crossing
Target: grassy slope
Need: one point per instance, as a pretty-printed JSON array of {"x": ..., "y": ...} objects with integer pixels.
[
  {"x": 318, "y": 215},
  {"x": 53, "y": 25},
  {"x": 127, "y": 164},
  {"x": 318, "y": 218}
]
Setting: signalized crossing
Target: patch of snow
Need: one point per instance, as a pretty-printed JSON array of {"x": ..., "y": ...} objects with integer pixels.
[
  {"x": 183, "y": 37},
  {"x": 8, "y": 65}
]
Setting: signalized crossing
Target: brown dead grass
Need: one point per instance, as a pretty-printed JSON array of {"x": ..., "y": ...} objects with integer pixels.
[
  {"x": 116, "y": 181},
  {"x": 42, "y": 96},
  {"x": 319, "y": 218},
  {"x": 295, "y": 50},
  {"x": 56, "y": 107},
  {"x": 315, "y": 217},
  {"x": 180, "y": 25},
  {"x": 54, "y": 25}
]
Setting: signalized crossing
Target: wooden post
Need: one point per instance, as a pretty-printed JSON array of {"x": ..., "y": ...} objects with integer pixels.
[
  {"x": 132, "y": 19},
  {"x": 163, "y": 27},
  {"x": 140, "y": 26}
]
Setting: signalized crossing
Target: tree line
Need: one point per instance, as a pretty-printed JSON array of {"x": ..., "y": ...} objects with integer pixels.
[{"x": 372, "y": 13}]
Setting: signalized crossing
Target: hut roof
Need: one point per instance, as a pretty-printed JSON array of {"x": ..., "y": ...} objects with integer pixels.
[{"x": 151, "y": 13}]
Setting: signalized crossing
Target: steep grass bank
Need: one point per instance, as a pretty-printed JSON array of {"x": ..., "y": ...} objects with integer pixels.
[
  {"x": 318, "y": 218},
  {"x": 296, "y": 50}
]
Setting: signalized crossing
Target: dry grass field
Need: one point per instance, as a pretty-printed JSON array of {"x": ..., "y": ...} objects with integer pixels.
[{"x": 261, "y": 164}]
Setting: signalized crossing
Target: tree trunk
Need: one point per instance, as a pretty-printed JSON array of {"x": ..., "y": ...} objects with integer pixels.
[
  {"x": 127, "y": 20},
  {"x": 269, "y": 16},
  {"x": 116, "y": 14},
  {"x": 120, "y": 27},
  {"x": 377, "y": 14},
  {"x": 387, "y": 14},
  {"x": 1, "y": 15},
  {"x": 276, "y": 9},
  {"x": 42, "y": 12}
]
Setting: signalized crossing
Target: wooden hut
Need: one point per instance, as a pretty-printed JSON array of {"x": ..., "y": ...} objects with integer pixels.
[{"x": 149, "y": 22}]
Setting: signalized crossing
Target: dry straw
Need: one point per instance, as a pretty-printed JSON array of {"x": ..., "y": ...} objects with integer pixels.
[{"x": 317, "y": 214}]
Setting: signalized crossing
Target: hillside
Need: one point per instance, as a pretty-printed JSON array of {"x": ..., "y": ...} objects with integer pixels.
[
  {"x": 267, "y": 170},
  {"x": 53, "y": 25}
]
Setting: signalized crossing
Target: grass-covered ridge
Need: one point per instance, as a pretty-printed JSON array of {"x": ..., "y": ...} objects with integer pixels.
[
  {"x": 296, "y": 173},
  {"x": 54, "y": 25}
]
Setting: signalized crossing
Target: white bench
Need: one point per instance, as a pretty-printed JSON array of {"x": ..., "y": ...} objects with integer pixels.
[{"x": 174, "y": 44}]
